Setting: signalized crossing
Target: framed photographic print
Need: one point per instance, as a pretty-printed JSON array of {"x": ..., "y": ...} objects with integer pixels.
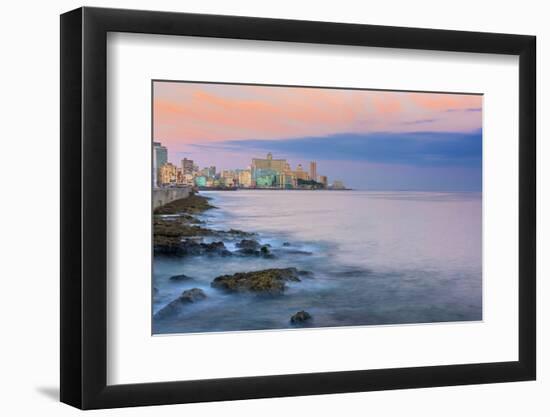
[{"x": 259, "y": 207}]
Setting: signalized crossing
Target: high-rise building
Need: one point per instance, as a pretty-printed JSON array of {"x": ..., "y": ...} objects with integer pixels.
[
  {"x": 267, "y": 172},
  {"x": 168, "y": 174},
  {"x": 187, "y": 166},
  {"x": 160, "y": 157},
  {"x": 313, "y": 170},
  {"x": 323, "y": 180},
  {"x": 269, "y": 163}
]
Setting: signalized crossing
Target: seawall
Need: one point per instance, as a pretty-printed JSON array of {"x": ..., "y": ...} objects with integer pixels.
[{"x": 162, "y": 196}]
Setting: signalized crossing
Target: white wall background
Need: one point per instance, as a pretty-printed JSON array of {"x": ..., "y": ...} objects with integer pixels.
[{"x": 29, "y": 223}]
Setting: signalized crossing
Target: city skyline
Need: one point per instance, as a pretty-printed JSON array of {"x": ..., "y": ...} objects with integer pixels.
[
  {"x": 369, "y": 139},
  {"x": 264, "y": 173}
]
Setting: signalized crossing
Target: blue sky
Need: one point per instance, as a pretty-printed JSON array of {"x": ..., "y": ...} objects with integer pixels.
[{"x": 405, "y": 160}]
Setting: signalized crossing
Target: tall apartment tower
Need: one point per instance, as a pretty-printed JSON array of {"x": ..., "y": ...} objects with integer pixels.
[
  {"x": 313, "y": 170},
  {"x": 160, "y": 157},
  {"x": 187, "y": 166}
]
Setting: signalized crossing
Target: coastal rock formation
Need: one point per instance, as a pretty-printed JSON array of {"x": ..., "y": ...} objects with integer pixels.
[
  {"x": 300, "y": 317},
  {"x": 235, "y": 232},
  {"x": 180, "y": 234},
  {"x": 181, "y": 277},
  {"x": 267, "y": 281},
  {"x": 191, "y": 247},
  {"x": 248, "y": 244},
  {"x": 169, "y": 233},
  {"x": 164, "y": 245},
  {"x": 249, "y": 247},
  {"x": 174, "y": 307},
  {"x": 178, "y": 228},
  {"x": 190, "y": 205},
  {"x": 192, "y": 295}
]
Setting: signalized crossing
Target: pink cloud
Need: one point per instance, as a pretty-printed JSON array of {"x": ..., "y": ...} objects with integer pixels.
[{"x": 186, "y": 113}]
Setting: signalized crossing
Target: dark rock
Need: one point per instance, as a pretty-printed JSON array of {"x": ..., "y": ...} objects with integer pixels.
[
  {"x": 264, "y": 252},
  {"x": 286, "y": 244},
  {"x": 168, "y": 248},
  {"x": 191, "y": 247},
  {"x": 215, "y": 248},
  {"x": 174, "y": 307},
  {"x": 300, "y": 317},
  {"x": 248, "y": 252},
  {"x": 192, "y": 295},
  {"x": 304, "y": 273},
  {"x": 176, "y": 237},
  {"x": 238, "y": 233},
  {"x": 267, "y": 281},
  {"x": 181, "y": 277},
  {"x": 248, "y": 244}
]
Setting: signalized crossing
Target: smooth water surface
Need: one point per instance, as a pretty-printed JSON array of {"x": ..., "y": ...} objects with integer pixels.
[{"x": 377, "y": 258}]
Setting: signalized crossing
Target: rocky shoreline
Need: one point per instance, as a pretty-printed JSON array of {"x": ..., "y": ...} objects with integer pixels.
[{"x": 177, "y": 232}]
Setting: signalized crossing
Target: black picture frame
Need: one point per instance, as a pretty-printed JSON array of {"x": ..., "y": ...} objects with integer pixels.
[{"x": 84, "y": 207}]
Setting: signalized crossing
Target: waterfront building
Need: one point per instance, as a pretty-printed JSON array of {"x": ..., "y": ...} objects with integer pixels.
[
  {"x": 300, "y": 173},
  {"x": 277, "y": 165},
  {"x": 187, "y": 166},
  {"x": 338, "y": 185},
  {"x": 168, "y": 174},
  {"x": 323, "y": 180},
  {"x": 227, "y": 173},
  {"x": 180, "y": 178},
  {"x": 245, "y": 178},
  {"x": 210, "y": 171},
  {"x": 200, "y": 181},
  {"x": 313, "y": 170},
  {"x": 266, "y": 177},
  {"x": 229, "y": 182},
  {"x": 288, "y": 180},
  {"x": 160, "y": 157}
]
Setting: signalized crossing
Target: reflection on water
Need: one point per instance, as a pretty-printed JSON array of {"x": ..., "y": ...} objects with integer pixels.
[{"x": 377, "y": 258}]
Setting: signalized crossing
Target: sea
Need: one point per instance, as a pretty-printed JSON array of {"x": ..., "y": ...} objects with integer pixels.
[{"x": 377, "y": 258}]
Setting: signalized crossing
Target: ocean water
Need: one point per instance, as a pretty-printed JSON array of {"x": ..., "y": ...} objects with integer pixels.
[{"x": 377, "y": 258}]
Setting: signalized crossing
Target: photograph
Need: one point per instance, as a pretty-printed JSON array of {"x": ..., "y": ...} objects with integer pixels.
[{"x": 292, "y": 207}]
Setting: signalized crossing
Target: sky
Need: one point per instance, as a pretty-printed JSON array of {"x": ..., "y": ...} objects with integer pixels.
[{"x": 377, "y": 140}]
